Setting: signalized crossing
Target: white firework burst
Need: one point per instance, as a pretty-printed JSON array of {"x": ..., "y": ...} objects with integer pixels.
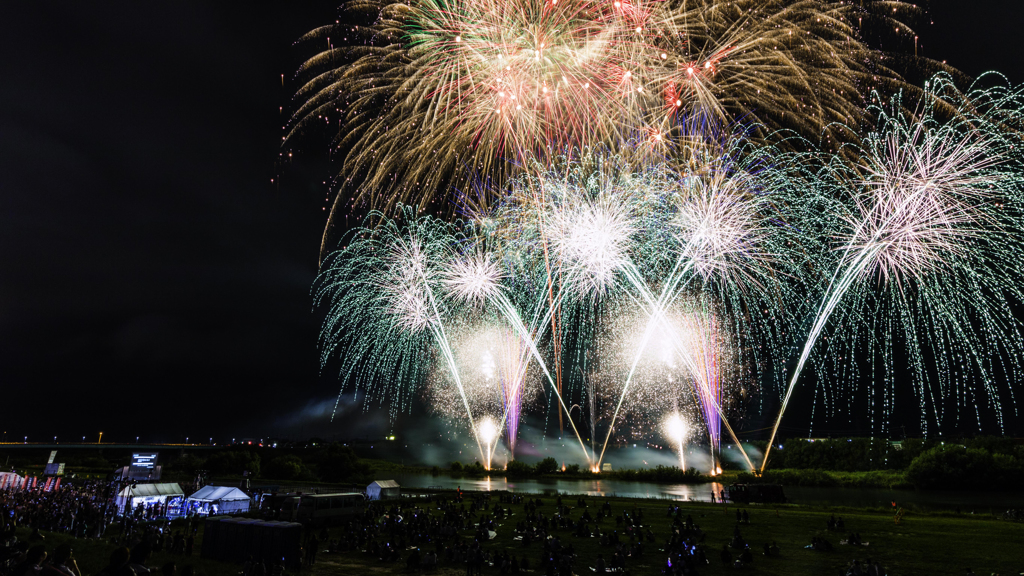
[{"x": 473, "y": 278}]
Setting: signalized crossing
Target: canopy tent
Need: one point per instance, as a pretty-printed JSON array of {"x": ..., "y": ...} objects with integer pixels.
[
  {"x": 219, "y": 500},
  {"x": 10, "y": 480},
  {"x": 169, "y": 494},
  {"x": 383, "y": 489}
]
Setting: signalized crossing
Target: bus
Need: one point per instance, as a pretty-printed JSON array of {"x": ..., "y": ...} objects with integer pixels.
[
  {"x": 329, "y": 508},
  {"x": 274, "y": 506}
]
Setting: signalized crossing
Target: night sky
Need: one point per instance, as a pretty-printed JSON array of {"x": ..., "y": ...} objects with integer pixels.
[{"x": 154, "y": 281}]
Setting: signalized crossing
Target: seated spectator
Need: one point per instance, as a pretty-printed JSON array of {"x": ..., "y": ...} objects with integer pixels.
[
  {"x": 32, "y": 565},
  {"x": 118, "y": 565},
  {"x": 413, "y": 562},
  {"x": 138, "y": 559},
  {"x": 746, "y": 556},
  {"x": 62, "y": 563}
]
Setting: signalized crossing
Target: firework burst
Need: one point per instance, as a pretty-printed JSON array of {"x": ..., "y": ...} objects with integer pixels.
[
  {"x": 474, "y": 278},
  {"x": 934, "y": 219},
  {"x": 431, "y": 93}
]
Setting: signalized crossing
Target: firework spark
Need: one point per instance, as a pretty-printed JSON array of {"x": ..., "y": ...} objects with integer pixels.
[
  {"x": 928, "y": 219},
  {"x": 672, "y": 285},
  {"x": 676, "y": 431},
  {"x": 432, "y": 93},
  {"x": 474, "y": 278}
]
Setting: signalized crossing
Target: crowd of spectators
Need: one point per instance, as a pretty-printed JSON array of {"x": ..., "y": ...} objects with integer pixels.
[
  {"x": 446, "y": 531},
  {"x": 431, "y": 534},
  {"x": 82, "y": 510},
  {"x": 85, "y": 509}
]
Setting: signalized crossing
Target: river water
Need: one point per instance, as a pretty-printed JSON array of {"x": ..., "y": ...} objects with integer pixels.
[{"x": 979, "y": 501}]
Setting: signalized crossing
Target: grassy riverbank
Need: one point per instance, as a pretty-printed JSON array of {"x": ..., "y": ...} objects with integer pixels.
[
  {"x": 932, "y": 544},
  {"x": 888, "y": 479}
]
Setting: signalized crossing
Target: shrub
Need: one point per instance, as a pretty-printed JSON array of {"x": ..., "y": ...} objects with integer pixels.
[
  {"x": 233, "y": 463},
  {"x": 547, "y": 466},
  {"x": 962, "y": 467},
  {"x": 518, "y": 468},
  {"x": 662, "y": 474},
  {"x": 339, "y": 462},
  {"x": 825, "y": 478},
  {"x": 284, "y": 468},
  {"x": 188, "y": 464}
]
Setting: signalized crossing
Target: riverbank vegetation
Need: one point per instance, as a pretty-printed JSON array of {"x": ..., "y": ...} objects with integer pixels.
[
  {"x": 873, "y": 463},
  {"x": 843, "y": 462}
]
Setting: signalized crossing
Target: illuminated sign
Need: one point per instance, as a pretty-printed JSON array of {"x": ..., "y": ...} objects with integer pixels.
[
  {"x": 147, "y": 460},
  {"x": 144, "y": 466}
]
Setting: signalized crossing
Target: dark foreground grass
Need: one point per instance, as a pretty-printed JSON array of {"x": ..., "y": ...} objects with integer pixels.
[
  {"x": 920, "y": 544},
  {"x": 93, "y": 554},
  {"x": 932, "y": 544}
]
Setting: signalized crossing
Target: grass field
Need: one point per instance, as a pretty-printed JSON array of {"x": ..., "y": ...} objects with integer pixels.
[{"x": 932, "y": 544}]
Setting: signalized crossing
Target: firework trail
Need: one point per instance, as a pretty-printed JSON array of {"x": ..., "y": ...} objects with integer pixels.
[
  {"x": 676, "y": 429},
  {"x": 493, "y": 364},
  {"x": 733, "y": 246},
  {"x": 568, "y": 228},
  {"x": 513, "y": 371},
  {"x": 933, "y": 220},
  {"x": 607, "y": 225},
  {"x": 425, "y": 95},
  {"x": 701, "y": 335},
  {"x": 381, "y": 291},
  {"x": 715, "y": 244},
  {"x": 474, "y": 278},
  {"x": 693, "y": 353}
]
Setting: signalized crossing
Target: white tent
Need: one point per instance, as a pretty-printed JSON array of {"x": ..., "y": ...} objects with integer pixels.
[
  {"x": 219, "y": 500},
  {"x": 149, "y": 494},
  {"x": 383, "y": 489}
]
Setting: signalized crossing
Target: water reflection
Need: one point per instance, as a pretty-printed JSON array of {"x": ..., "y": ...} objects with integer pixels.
[
  {"x": 967, "y": 502},
  {"x": 688, "y": 492}
]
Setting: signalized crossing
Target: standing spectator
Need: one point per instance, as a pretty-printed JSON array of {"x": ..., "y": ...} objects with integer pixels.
[{"x": 311, "y": 549}]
